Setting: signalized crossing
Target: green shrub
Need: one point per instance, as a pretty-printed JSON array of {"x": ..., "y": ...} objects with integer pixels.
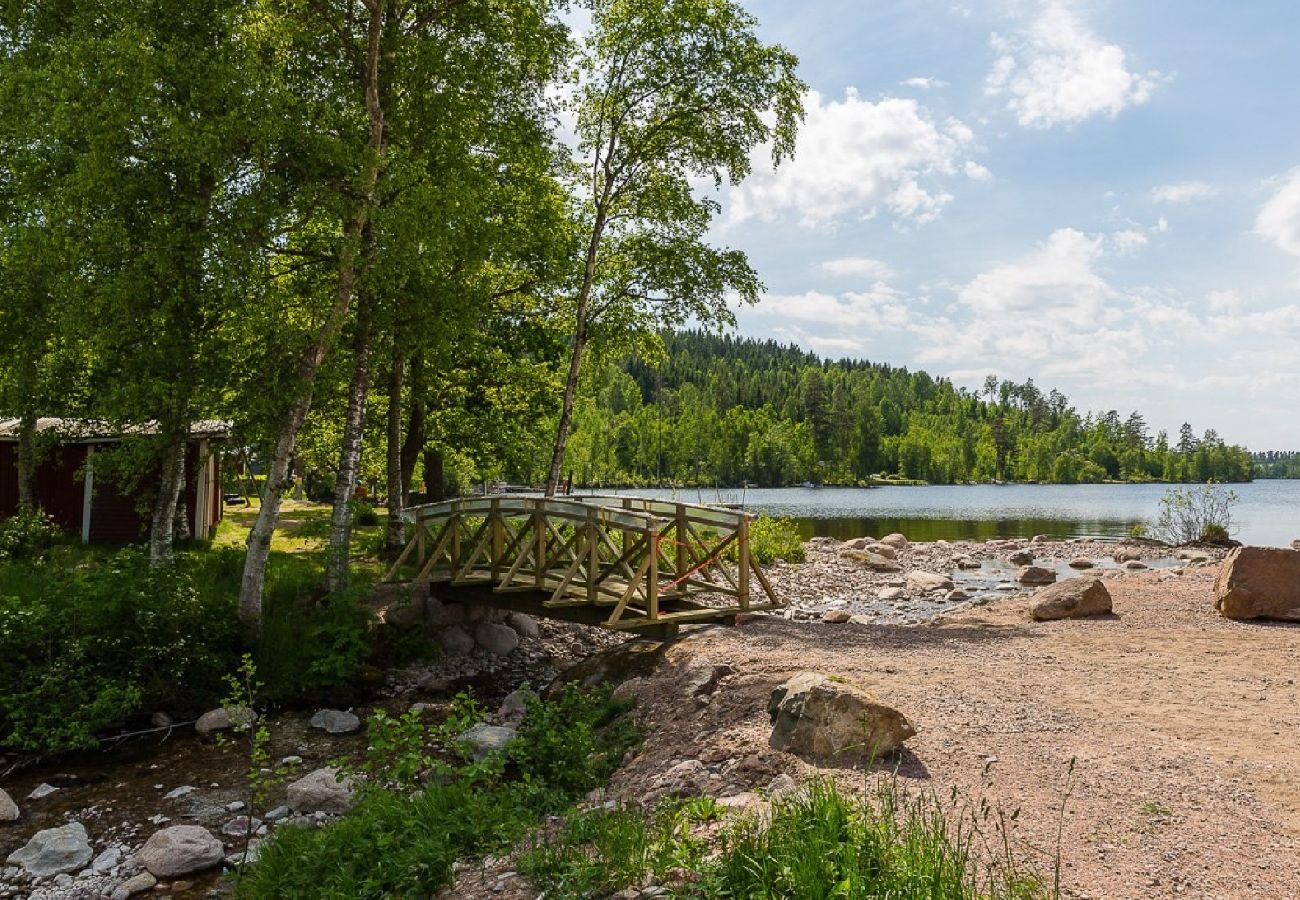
[
  {"x": 773, "y": 537},
  {"x": 82, "y": 648},
  {"x": 27, "y": 535},
  {"x": 363, "y": 514},
  {"x": 1195, "y": 514},
  {"x": 398, "y": 845}
]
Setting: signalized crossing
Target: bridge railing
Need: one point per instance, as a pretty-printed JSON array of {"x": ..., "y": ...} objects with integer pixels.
[{"x": 648, "y": 561}]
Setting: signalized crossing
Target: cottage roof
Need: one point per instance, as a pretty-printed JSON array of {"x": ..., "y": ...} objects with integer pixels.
[{"x": 78, "y": 431}]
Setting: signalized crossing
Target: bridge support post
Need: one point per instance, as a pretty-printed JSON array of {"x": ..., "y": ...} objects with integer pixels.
[{"x": 742, "y": 546}]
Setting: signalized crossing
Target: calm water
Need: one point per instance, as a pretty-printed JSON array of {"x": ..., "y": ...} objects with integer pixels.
[{"x": 1268, "y": 512}]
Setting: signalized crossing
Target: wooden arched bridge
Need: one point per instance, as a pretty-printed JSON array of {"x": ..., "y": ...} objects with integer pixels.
[{"x": 620, "y": 562}]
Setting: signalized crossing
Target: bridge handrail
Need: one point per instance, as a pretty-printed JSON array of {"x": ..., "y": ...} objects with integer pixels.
[{"x": 634, "y": 513}]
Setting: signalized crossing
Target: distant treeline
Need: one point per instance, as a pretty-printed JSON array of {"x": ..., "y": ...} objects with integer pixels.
[
  {"x": 1277, "y": 464},
  {"x": 726, "y": 410}
]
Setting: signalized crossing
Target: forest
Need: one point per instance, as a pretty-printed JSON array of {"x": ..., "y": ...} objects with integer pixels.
[{"x": 725, "y": 410}]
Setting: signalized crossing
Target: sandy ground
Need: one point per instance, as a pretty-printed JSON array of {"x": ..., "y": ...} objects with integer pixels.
[{"x": 1185, "y": 728}]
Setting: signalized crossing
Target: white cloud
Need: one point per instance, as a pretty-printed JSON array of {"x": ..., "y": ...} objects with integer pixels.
[
  {"x": 855, "y": 157},
  {"x": 925, "y": 83},
  {"x": 976, "y": 172},
  {"x": 1128, "y": 241},
  {"x": 1183, "y": 192},
  {"x": 879, "y": 307},
  {"x": 1279, "y": 218},
  {"x": 856, "y": 266},
  {"x": 1058, "y": 71}
]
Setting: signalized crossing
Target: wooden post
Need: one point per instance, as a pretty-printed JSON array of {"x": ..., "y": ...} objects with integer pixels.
[
  {"x": 498, "y": 539},
  {"x": 652, "y": 585},
  {"x": 455, "y": 538},
  {"x": 682, "y": 557},
  {"x": 539, "y": 560},
  {"x": 419, "y": 542},
  {"x": 742, "y": 545},
  {"x": 593, "y": 557}
]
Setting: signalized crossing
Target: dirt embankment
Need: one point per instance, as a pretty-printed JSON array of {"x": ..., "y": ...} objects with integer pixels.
[{"x": 1185, "y": 728}]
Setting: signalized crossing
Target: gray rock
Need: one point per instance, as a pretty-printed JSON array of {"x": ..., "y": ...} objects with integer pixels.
[
  {"x": 817, "y": 717},
  {"x": 857, "y": 544},
  {"x": 1035, "y": 575},
  {"x": 241, "y": 826},
  {"x": 966, "y": 562},
  {"x": 496, "y": 639},
  {"x": 836, "y": 616},
  {"x": 1021, "y": 558},
  {"x": 921, "y": 580},
  {"x": 1081, "y": 562},
  {"x": 703, "y": 677},
  {"x": 277, "y": 814},
  {"x": 782, "y": 786},
  {"x": 137, "y": 884},
  {"x": 41, "y": 791},
  {"x": 484, "y": 739},
  {"x": 1073, "y": 598},
  {"x": 53, "y": 851},
  {"x": 8, "y": 808},
  {"x": 1135, "y": 564},
  {"x": 177, "y": 793},
  {"x": 524, "y": 625},
  {"x": 873, "y": 561},
  {"x": 107, "y": 861},
  {"x": 237, "y": 718},
  {"x": 688, "y": 778},
  {"x": 181, "y": 850},
  {"x": 160, "y": 720},
  {"x": 335, "y": 721},
  {"x": 321, "y": 791},
  {"x": 885, "y": 550},
  {"x": 456, "y": 641},
  {"x": 891, "y": 594},
  {"x": 514, "y": 706},
  {"x": 956, "y": 594}
]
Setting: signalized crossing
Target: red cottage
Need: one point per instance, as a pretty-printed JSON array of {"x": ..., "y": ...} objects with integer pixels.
[{"x": 67, "y": 489}]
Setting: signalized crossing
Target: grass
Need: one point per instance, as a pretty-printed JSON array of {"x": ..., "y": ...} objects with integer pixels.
[{"x": 821, "y": 844}]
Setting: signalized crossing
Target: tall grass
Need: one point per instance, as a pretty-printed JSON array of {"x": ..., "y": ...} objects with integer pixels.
[{"x": 823, "y": 843}]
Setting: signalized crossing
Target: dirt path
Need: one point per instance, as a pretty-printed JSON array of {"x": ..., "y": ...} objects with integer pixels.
[{"x": 1185, "y": 728}]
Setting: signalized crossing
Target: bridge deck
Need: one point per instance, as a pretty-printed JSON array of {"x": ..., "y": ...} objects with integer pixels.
[{"x": 622, "y": 562}]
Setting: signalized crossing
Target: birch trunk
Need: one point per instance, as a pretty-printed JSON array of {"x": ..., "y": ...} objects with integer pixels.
[
  {"x": 413, "y": 443},
  {"x": 259, "y": 537},
  {"x": 181, "y": 520},
  {"x": 395, "y": 536},
  {"x": 345, "y": 485},
  {"x": 163, "y": 521}
]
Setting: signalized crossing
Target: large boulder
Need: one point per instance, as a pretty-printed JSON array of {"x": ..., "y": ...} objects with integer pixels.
[
  {"x": 321, "y": 791},
  {"x": 1035, "y": 575},
  {"x": 54, "y": 851},
  {"x": 181, "y": 850},
  {"x": 495, "y": 638},
  {"x": 8, "y": 808},
  {"x": 1259, "y": 583},
  {"x": 1073, "y": 598},
  {"x": 235, "y": 717},
  {"x": 921, "y": 580},
  {"x": 816, "y": 717},
  {"x": 456, "y": 641}
]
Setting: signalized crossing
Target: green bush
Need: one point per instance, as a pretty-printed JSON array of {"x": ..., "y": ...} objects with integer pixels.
[
  {"x": 398, "y": 845},
  {"x": 772, "y": 538},
  {"x": 1196, "y": 514},
  {"x": 363, "y": 514},
  {"x": 27, "y": 535},
  {"x": 82, "y": 648}
]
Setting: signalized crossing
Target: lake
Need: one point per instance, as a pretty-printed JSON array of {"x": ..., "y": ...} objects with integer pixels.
[{"x": 1268, "y": 512}]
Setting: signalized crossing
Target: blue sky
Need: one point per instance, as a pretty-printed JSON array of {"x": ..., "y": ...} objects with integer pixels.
[{"x": 1102, "y": 196}]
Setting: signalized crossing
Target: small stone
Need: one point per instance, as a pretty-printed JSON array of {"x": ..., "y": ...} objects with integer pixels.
[
  {"x": 291, "y": 761},
  {"x": 177, "y": 793},
  {"x": 889, "y": 594},
  {"x": 524, "y": 625},
  {"x": 497, "y": 639},
  {"x": 1072, "y": 599},
  {"x": 921, "y": 580},
  {"x": 1035, "y": 575},
  {"x": 335, "y": 721},
  {"x": 277, "y": 814},
  {"x": 160, "y": 720},
  {"x": 456, "y": 641},
  {"x": 956, "y": 594},
  {"x": 836, "y": 616},
  {"x": 241, "y": 826},
  {"x": 137, "y": 884},
  {"x": 781, "y": 786},
  {"x": 107, "y": 861},
  {"x": 1021, "y": 558},
  {"x": 237, "y": 718},
  {"x": 1081, "y": 562},
  {"x": 483, "y": 739},
  {"x": 235, "y": 806},
  {"x": 180, "y": 850},
  {"x": 41, "y": 791},
  {"x": 1135, "y": 564}
]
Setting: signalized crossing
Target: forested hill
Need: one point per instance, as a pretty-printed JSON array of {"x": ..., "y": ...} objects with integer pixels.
[{"x": 724, "y": 410}]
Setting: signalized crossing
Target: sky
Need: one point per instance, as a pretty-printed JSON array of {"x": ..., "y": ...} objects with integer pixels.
[{"x": 1104, "y": 197}]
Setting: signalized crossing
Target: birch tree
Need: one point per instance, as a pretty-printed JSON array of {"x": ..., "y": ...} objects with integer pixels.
[{"x": 666, "y": 93}]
